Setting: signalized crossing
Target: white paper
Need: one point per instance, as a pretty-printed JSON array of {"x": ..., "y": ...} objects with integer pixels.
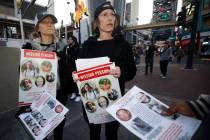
[
  {"x": 90, "y": 62},
  {"x": 98, "y": 90},
  {"x": 140, "y": 113},
  {"x": 38, "y": 73},
  {"x": 46, "y": 114}
]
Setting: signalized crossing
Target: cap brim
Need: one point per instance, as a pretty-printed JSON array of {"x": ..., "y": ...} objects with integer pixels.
[{"x": 49, "y": 15}]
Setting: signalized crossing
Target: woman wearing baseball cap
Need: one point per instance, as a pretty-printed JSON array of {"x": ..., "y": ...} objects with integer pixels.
[
  {"x": 44, "y": 39},
  {"x": 108, "y": 43}
]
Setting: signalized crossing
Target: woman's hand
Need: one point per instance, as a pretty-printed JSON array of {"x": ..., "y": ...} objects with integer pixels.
[
  {"x": 75, "y": 78},
  {"x": 116, "y": 72}
]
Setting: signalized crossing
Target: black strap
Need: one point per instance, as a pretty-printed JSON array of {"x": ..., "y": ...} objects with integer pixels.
[{"x": 163, "y": 51}]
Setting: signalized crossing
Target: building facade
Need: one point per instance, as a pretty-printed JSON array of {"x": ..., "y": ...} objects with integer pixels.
[
  {"x": 203, "y": 30},
  {"x": 164, "y": 11},
  {"x": 10, "y": 29}
]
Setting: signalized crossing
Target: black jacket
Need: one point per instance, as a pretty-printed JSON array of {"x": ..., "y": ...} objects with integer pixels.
[{"x": 118, "y": 50}]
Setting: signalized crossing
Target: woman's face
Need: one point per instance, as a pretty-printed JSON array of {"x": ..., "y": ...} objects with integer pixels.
[
  {"x": 107, "y": 86},
  {"x": 40, "y": 82},
  {"x": 46, "y": 66},
  {"x": 70, "y": 40},
  {"x": 91, "y": 106},
  {"x": 86, "y": 87},
  {"x": 29, "y": 65},
  {"x": 106, "y": 21},
  {"x": 27, "y": 83},
  {"x": 46, "y": 26}
]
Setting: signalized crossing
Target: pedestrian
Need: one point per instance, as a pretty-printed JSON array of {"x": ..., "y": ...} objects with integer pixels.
[
  {"x": 149, "y": 58},
  {"x": 179, "y": 54},
  {"x": 136, "y": 53},
  {"x": 72, "y": 51},
  {"x": 45, "y": 40},
  {"x": 108, "y": 42},
  {"x": 199, "y": 109},
  {"x": 165, "y": 55}
]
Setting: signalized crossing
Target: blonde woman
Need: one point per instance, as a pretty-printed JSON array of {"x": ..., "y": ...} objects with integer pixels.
[{"x": 44, "y": 39}]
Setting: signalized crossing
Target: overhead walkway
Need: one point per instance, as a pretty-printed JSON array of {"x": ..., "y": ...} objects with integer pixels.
[{"x": 151, "y": 26}]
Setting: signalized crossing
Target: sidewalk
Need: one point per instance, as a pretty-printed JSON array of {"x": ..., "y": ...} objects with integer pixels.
[{"x": 181, "y": 84}]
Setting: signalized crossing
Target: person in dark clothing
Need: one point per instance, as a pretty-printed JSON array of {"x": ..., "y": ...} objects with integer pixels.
[
  {"x": 179, "y": 54},
  {"x": 109, "y": 43},
  {"x": 149, "y": 58},
  {"x": 72, "y": 52},
  {"x": 45, "y": 40}
]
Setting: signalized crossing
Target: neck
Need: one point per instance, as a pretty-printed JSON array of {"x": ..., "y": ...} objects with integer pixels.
[
  {"x": 105, "y": 36},
  {"x": 47, "y": 39}
]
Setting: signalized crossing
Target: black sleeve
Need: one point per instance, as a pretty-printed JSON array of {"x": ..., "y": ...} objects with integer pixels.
[
  {"x": 61, "y": 53},
  {"x": 128, "y": 67},
  {"x": 83, "y": 50}
]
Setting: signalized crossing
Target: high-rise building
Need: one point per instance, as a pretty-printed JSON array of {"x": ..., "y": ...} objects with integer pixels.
[
  {"x": 203, "y": 28},
  {"x": 164, "y": 10}
]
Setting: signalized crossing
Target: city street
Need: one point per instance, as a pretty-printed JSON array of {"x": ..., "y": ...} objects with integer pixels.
[
  {"x": 181, "y": 84},
  {"x": 65, "y": 27}
]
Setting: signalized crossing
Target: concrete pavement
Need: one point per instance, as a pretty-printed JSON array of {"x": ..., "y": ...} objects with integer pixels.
[{"x": 180, "y": 85}]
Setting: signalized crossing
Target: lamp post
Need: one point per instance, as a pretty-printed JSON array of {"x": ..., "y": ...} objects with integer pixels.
[
  {"x": 189, "y": 64},
  {"x": 21, "y": 27}
]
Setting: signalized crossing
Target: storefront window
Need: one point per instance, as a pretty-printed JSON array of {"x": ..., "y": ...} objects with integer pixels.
[{"x": 10, "y": 32}]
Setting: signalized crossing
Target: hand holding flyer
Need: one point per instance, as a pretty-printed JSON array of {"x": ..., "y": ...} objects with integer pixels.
[
  {"x": 141, "y": 114},
  {"x": 38, "y": 73},
  {"x": 97, "y": 87},
  {"x": 46, "y": 114}
]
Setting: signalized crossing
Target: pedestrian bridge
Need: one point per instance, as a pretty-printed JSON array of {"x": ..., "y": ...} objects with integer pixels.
[{"x": 150, "y": 26}]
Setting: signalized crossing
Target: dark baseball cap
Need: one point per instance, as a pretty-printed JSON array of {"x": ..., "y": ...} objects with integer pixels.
[
  {"x": 42, "y": 16},
  {"x": 102, "y": 7}
]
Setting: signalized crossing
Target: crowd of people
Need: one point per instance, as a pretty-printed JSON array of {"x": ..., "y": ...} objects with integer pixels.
[
  {"x": 166, "y": 54},
  {"x": 108, "y": 41}
]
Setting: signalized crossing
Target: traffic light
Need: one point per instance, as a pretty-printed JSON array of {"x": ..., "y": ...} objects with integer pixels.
[{"x": 181, "y": 21}]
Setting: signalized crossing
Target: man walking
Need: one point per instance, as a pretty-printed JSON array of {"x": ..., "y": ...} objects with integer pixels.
[{"x": 149, "y": 58}]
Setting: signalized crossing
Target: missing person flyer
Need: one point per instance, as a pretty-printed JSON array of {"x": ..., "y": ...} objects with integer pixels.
[
  {"x": 38, "y": 73},
  {"x": 98, "y": 90},
  {"x": 140, "y": 113},
  {"x": 46, "y": 114}
]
